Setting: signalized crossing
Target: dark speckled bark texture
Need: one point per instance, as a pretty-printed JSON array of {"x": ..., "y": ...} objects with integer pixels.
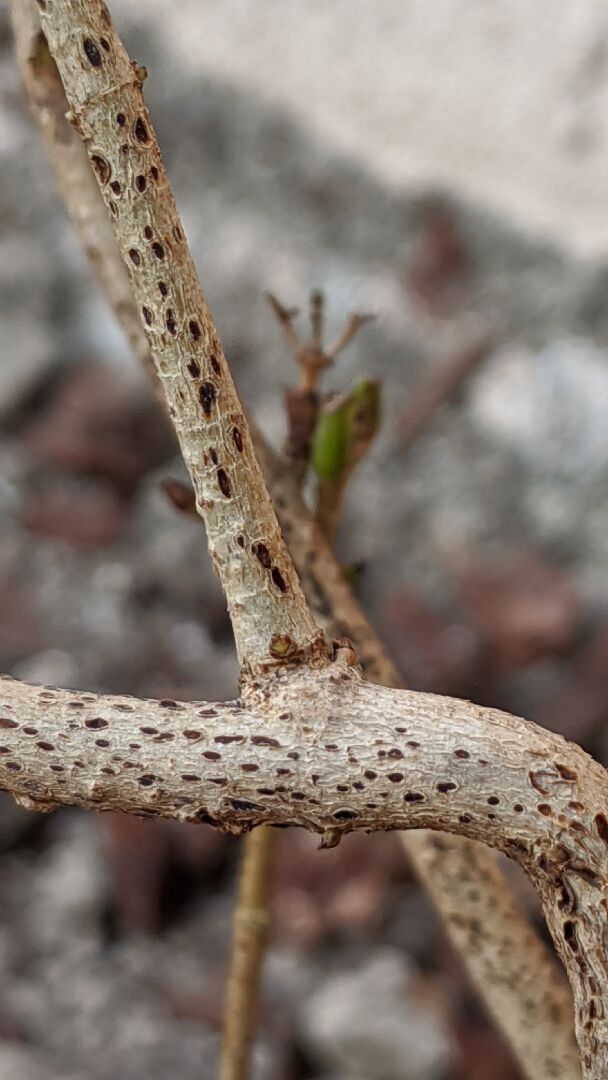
[{"x": 322, "y": 749}]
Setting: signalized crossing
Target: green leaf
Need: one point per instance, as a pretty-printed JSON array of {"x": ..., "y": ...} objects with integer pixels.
[{"x": 329, "y": 455}]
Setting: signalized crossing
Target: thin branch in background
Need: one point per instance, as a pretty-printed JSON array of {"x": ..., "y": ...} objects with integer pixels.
[
  {"x": 436, "y": 389},
  {"x": 251, "y": 924},
  {"x": 302, "y": 401},
  {"x": 317, "y": 316},
  {"x": 353, "y": 325},
  {"x": 285, "y": 317},
  {"x": 74, "y": 177}
]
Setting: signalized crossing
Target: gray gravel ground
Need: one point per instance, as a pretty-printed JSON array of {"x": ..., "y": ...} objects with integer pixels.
[{"x": 520, "y": 457}]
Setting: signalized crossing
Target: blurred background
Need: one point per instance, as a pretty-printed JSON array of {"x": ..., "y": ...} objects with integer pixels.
[{"x": 445, "y": 170}]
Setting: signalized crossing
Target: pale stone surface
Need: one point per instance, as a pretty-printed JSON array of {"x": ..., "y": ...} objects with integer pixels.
[
  {"x": 366, "y": 1024},
  {"x": 504, "y": 103}
]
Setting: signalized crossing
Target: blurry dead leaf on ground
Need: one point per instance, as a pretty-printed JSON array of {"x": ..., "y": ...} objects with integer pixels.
[
  {"x": 436, "y": 269},
  {"x": 432, "y": 652},
  {"x": 98, "y": 423},
  {"x": 521, "y": 605}
]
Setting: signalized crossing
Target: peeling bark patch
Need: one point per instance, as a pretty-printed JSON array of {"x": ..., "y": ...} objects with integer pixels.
[
  {"x": 262, "y": 554},
  {"x": 92, "y": 53},
  {"x": 570, "y": 935},
  {"x": 195, "y": 330},
  {"x": 206, "y": 394},
  {"x": 535, "y": 780},
  {"x": 140, "y": 131},
  {"x": 101, "y": 167},
  {"x": 601, "y": 824},
  {"x": 565, "y": 772},
  {"x": 224, "y": 483},
  {"x": 243, "y": 804},
  {"x": 278, "y": 579},
  {"x": 96, "y": 723}
]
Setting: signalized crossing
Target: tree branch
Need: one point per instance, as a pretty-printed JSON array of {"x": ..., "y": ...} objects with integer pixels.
[
  {"x": 73, "y": 174},
  {"x": 503, "y": 955},
  {"x": 322, "y": 749},
  {"x": 251, "y": 924},
  {"x": 518, "y": 982},
  {"x": 438, "y": 387},
  {"x": 326, "y": 584},
  {"x": 270, "y": 618}
]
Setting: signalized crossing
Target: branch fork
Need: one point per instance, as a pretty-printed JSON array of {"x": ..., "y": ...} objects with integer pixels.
[{"x": 309, "y": 743}]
